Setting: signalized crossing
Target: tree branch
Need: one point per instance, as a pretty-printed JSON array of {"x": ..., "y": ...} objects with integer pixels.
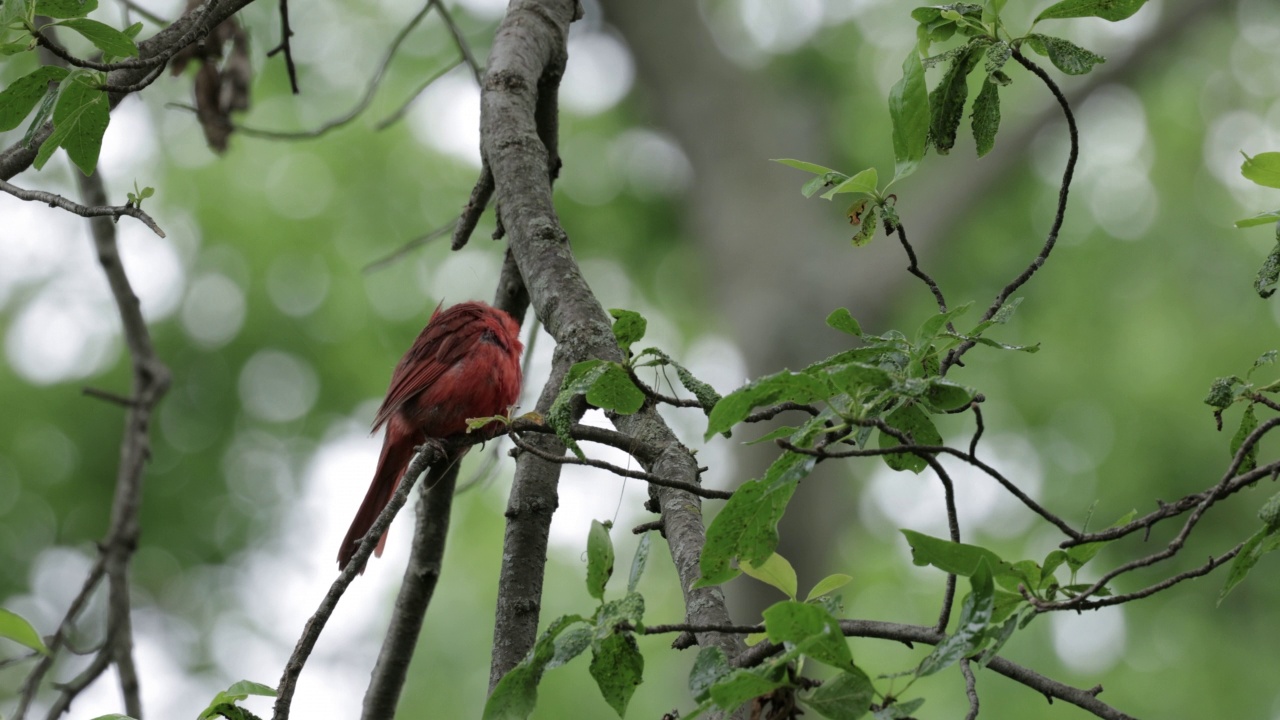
[
  {"x": 420, "y": 577},
  {"x": 52, "y": 200}
]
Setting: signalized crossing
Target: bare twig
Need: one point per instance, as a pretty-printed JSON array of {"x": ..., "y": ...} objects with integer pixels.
[
  {"x": 1068, "y": 172},
  {"x": 911, "y": 634},
  {"x": 374, "y": 83},
  {"x": 914, "y": 268},
  {"x": 286, "y": 32},
  {"x": 650, "y": 478},
  {"x": 426, "y": 455},
  {"x": 471, "y": 212},
  {"x": 53, "y": 200},
  {"x": 1072, "y": 604},
  {"x": 970, "y": 689},
  {"x": 408, "y": 247}
]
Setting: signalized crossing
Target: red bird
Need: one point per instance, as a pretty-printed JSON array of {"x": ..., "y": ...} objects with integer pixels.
[{"x": 465, "y": 364}]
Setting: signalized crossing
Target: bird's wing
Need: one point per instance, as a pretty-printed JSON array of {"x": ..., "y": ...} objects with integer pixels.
[{"x": 447, "y": 339}]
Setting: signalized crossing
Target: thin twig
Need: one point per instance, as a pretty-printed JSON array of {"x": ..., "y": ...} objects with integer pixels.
[
  {"x": 1212, "y": 564},
  {"x": 1068, "y": 172},
  {"x": 481, "y": 192},
  {"x": 914, "y": 268},
  {"x": 970, "y": 689},
  {"x": 286, "y": 32},
  {"x": 53, "y": 200},
  {"x": 374, "y": 83},
  {"x": 911, "y": 634},
  {"x": 770, "y": 413},
  {"x": 464, "y": 47},
  {"x": 315, "y": 625},
  {"x": 408, "y": 247},
  {"x": 401, "y": 111},
  {"x": 134, "y": 87},
  {"x": 622, "y": 472}
]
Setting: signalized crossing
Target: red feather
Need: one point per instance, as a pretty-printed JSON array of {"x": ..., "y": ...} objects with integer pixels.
[{"x": 465, "y": 364}]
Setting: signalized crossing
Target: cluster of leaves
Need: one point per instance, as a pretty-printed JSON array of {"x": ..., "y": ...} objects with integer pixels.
[
  {"x": 73, "y": 99},
  {"x": 1264, "y": 169},
  {"x": 612, "y": 386},
  {"x": 922, "y": 118},
  {"x": 616, "y": 663},
  {"x": 1223, "y": 394},
  {"x": 890, "y": 383}
]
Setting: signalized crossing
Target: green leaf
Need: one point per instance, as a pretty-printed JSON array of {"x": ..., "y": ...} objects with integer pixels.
[
  {"x": 65, "y": 8},
  {"x": 628, "y": 328},
  {"x": 805, "y": 166},
  {"x": 106, "y": 38},
  {"x": 945, "y": 395},
  {"x": 618, "y": 668},
  {"x": 951, "y": 557},
  {"x": 998, "y": 53},
  {"x": 946, "y": 102},
  {"x": 113, "y": 716},
  {"x": 842, "y": 320},
  {"x": 79, "y": 121},
  {"x": 43, "y": 113},
  {"x": 1112, "y": 10},
  {"x": 975, "y": 616},
  {"x": 811, "y": 629},
  {"x": 899, "y": 711},
  {"x": 866, "y": 227},
  {"x": 864, "y": 182},
  {"x": 1269, "y": 513},
  {"x": 739, "y": 686},
  {"x": 516, "y": 693},
  {"x": 784, "y": 386},
  {"x": 1223, "y": 392},
  {"x": 1248, "y": 423},
  {"x": 1261, "y": 219},
  {"x": 916, "y": 425},
  {"x": 599, "y": 559},
  {"x": 747, "y": 527},
  {"x": 628, "y": 609},
  {"x": 20, "y": 98},
  {"x": 930, "y": 328},
  {"x": 12, "y": 11},
  {"x": 709, "y": 667},
  {"x": 614, "y": 390},
  {"x": 775, "y": 571},
  {"x": 909, "y": 110},
  {"x": 1066, "y": 56},
  {"x": 846, "y": 696},
  {"x": 1264, "y": 541},
  {"x": 1263, "y": 169},
  {"x": 1269, "y": 273},
  {"x": 1079, "y": 555},
  {"x": 638, "y": 562},
  {"x": 234, "y": 694},
  {"x": 576, "y": 382},
  {"x": 16, "y": 628},
  {"x": 986, "y": 117},
  {"x": 572, "y": 641},
  {"x": 829, "y": 584}
]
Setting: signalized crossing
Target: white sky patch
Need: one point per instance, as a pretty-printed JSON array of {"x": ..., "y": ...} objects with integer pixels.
[
  {"x": 61, "y": 334},
  {"x": 1089, "y": 642},
  {"x": 129, "y": 149},
  {"x": 276, "y": 386},
  {"x": 906, "y": 500},
  {"x": 154, "y": 269},
  {"x": 447, "y": 117},
  {"x": 599, "y": 74},
  {"x": 214, "y": 310},
  {"x": 654, "y": 165}
]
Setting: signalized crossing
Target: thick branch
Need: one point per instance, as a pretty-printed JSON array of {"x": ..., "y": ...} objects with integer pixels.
[{"x": 420, "y": 576}]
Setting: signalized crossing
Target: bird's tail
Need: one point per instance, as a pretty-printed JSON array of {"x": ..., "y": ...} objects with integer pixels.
[{"x": 396, "y": 454}]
